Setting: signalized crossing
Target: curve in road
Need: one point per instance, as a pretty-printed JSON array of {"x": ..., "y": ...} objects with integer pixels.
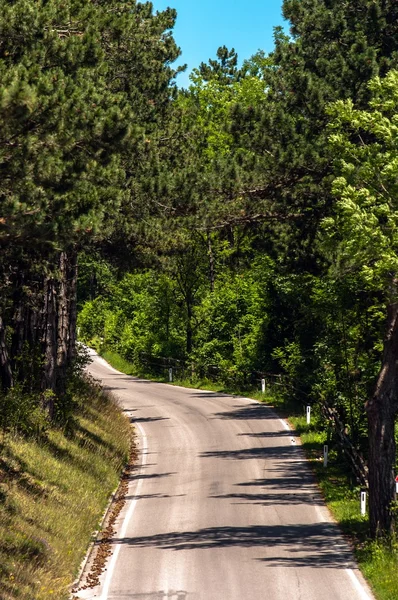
[{"x": 223, "y": 505}]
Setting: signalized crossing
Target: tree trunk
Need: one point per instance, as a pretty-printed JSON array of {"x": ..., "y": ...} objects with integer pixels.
[
  {"x": 211, "y": 261},
  {"x": 49, "y": 343},
  {"x": 5, "y": 366},
  {"x": 382, "y": 409},
  {"x": 18, "y": 328},
  {"x": 189, "y": 332},
  {"x": 73, "y": 272},
  {"x": 62, "y": 324}
]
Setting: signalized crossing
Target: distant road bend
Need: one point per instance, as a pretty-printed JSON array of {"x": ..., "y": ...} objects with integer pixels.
[{"x": 222, "y": 506}]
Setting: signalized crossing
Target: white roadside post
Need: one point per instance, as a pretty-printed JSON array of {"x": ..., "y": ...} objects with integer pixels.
[
  {"x": 308, "y": 415},
  {"x": 363, "y": 503},
  {"x": 325, "y": 455},
  {"x": 263, "y": 386},
  {"x": 170, "y": 374},
  {"x": 396, "y": 484}
]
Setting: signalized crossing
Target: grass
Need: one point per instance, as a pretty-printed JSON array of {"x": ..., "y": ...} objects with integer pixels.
[
  {"x": 378, "y": 561},
  {"x": 53, "y": 492}
]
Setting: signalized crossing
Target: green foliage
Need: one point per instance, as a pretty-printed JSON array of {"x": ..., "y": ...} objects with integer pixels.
[
  {"x": 142, "y": 316},
  {"x": 364, "y": 230},
  {"x": 23, "y": 412},
  {"x": 84, "y": 86}
]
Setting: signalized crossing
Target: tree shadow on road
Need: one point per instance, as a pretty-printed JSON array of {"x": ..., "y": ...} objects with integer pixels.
[
  {"x": 247, "y": 412},
  {"x": 274, "y": 498},
  {"x": 313, "y": 545},
  {"x": 262, "y": 452}
]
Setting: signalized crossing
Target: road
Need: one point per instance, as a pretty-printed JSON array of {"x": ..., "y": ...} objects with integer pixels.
[{"x": 221, "y": 507}]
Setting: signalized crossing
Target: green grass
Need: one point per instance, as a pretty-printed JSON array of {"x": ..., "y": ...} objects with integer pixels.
[
  {"x": 118, "y": 362},
  {"x": 377, "y": 560},
  {"x": 53, "y": 493}
]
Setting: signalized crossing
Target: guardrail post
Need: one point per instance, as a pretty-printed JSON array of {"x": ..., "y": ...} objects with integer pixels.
[
  {"x": 363, "y": 503},
  {"x": 325, "y": 455}
]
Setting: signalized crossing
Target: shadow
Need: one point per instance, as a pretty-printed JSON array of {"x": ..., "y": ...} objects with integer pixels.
[
  {"x": 137, "y": 379},
  {"x": 312, "y": 545},
  {"x": 211, "y": 395},
  {"x": 153, "y": 496},
  {"x": 138, "y": 408},
  {"x": 146, "y": 497},
  {"x": 152, "y": 476},
  {"x": 111, "y": 389},
  {"x": 148, "y": 419},
  {"x": 248, "y": 412},
  {"x": 14, "y": 469},
  {"x": 298, "y": 481},
  {"x": 271, "y": 499},
  {"x": 84, "y": 437},
  {"x": 270, "y": 434},
  {"x": 263, "y": 452},
  {"x": 161, "y": 595}
]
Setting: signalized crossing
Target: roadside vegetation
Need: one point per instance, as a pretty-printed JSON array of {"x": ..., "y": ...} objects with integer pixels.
[
  {"x": 377, "y": 559},
  {"x": 54, "y": 488}
]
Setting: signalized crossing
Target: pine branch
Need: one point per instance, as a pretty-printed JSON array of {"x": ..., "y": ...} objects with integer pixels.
[{"x": 251, "y": 219}]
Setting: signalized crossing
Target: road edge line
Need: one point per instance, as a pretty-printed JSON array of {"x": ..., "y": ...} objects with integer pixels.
[{"x": 127, "y": 518}]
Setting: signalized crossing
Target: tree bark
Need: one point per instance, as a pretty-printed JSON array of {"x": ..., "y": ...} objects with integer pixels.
[
  {"x": 211, "y": 261},
  {"x": 5, "y": 366},
  {"x": 73, "y": 273},
  {"x": 189, "y": 332},
  {"x": 49, "y": 343},
  {"x": 382, "y": 409},
  {"x": 62, "y": 324}
]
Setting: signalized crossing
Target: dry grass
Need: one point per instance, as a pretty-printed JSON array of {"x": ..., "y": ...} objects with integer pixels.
[{"x": 53, "y": 493}]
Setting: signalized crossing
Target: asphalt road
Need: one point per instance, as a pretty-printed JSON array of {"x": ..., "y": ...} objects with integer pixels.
[{"x": 222, "y": 506}]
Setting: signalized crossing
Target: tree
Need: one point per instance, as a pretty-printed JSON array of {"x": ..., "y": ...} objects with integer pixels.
[
  {"x": 75, "y": 115},
  {"x": 224, "y": 68},
  {"x": 364, "y": 233}
]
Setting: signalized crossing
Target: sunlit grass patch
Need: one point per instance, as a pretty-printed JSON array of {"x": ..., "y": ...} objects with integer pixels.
[
  {"x": 53, "y": 492},
  {"x": 379, "y": 564},
  {"x": 118, "y": 362}
]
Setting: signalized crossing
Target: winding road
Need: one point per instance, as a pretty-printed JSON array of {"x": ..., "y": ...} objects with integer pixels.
[{"x": 221, "y": 507}]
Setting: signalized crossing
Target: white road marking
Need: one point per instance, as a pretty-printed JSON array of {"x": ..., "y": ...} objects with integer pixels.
[
  {"x": 357, "y": 584},
  {"x": 133, "y": 504},
  {"x": 285, "y": 425}
]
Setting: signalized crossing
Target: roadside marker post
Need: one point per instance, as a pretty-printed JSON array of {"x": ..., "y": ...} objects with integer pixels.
[
  {"x": 308, "y": 415},
  {"x": 263, "y": 386},
  {"x": 396, "y": 484},
  {"x": 325, "y": 455},
  {"x": 363, "y": 503},
  {"x": 170, "y": 374}
]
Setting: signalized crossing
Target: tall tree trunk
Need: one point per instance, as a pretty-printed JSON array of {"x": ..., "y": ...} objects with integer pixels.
[
  {"x": 49, "y": 342},
  {"x": 62, "y": 324},
  {"x": 73, "y": 273},
  {"x": 18, "y": 324},
  {"x": 211, "y": 261},
  {"x": 189, "y": 332},
  {"x": 5, "y": 366},
  {"x": 382, "y": 409}
]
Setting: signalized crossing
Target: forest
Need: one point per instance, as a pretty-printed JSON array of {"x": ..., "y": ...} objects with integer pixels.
[{"x": 243, "y": 228}]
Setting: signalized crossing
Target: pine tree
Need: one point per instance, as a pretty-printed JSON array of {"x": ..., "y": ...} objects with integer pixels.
[{"x": 81, "y": 85}]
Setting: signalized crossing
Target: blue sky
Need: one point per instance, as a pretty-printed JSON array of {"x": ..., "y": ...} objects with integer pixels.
[{"x": 204, "y": 25}]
